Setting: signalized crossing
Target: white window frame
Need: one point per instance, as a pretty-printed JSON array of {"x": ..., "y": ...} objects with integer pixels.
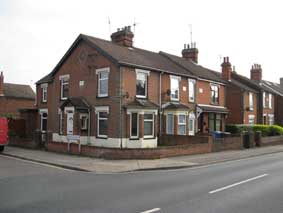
[
  {"x": 146, "y": 74},
  {"x": 178, "y": 78},
  {"x": 192, "y": 93},
  {"x": 215, "y": 92},
  {"x": 167, "y": 126},
  {"x": 192, "y": 118},
  {"x": 98, "y": 72},
  {"x": 134, "y": 136},
  {"x": 149, "y": 120},
  {"x": 270, "y": 101},
  {"x": 251, "y": 117},
  {"x": 44, "y": 92},
  {"x": 64, "y": 80},
  {"x": 182, "y": 124},
  {"x": 271, "y": 118},
  {"x": 43, "y": 111},
  {"x": 98, "y": 119},
  {"x": 84, "y": 115},
  {"x": 264, "y": 99},
  {"x": 251, "y": 101}
]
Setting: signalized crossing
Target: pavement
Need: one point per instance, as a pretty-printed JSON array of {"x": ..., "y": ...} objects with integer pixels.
[
  {"x": 250, "y": 185},
  {"x": 98, "y": 165}
]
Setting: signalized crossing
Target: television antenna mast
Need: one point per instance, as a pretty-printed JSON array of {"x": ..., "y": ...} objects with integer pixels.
[
  {"x": 191, "y": 33},
  {"x": 109, "y": 25}
]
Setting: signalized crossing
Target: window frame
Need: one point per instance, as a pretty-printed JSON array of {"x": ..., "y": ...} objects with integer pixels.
[
  {"x": 251, "y": 101},
  {"x": 213, "y": 94},
  {"x": 192, "y": 118},
  {"x": 131, "y": 117},
  {"x": 271, "y": 118},
  {"x": 145, "y": 73},
  {"x": 251, "y": 117},
  {"x": 270, "y": 101},
  {"x": 193, "y": 83},
  {"x": 44, "y": 94},
  {"x": 98, "y": 73},
  {"x": 264, "y": 99},
  {"x": 215, "y": 121},
  {"x": 98, "y": 119},
  {"x": 64, "y": 80},
  {"x": 41, "y": 120},
  {"x": 86, "y": 116},
  {"x": 149, "y": 120},
  {"x": 178, "y": 79},
  {"x": 167, "y": 126},
  {"x": 182, "y": 124}
]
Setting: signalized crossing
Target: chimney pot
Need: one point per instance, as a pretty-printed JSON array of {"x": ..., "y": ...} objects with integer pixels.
[
  {"x": 123, "y": 36},
  {"x": 190, "y": 52}
]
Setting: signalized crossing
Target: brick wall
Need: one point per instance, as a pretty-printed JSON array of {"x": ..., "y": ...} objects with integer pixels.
[
  {"x": 11, "y": 106},
  {"x": 235, "y": 105}
]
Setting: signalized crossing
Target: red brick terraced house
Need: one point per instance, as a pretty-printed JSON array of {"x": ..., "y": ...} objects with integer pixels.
[
  {"x": 14, "y": 97},
  {"x": 267, "y": 97},
  {"x": 112, "y": 94}
]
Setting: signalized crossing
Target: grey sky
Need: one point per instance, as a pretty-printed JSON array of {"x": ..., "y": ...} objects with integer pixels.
[{"x": 36, "y": 34}]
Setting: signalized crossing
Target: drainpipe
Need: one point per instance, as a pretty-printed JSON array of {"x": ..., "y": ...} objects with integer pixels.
[
  {"x": 88, "y": 132},
  {"x": 160, "y": 104},
  {"x": 120, "y": 107}
]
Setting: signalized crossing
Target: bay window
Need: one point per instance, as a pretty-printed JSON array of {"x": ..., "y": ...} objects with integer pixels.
[
  {"x": 264, "y": 99},
  {"x": 251, "y": 119},
  {"x": 170, "y": 124},
  {"x": 215, "y": 122},
  {"x": 134, "y": 125},
  {"x": 182, "y": 124},
  {"x": 148, "y": 125}
]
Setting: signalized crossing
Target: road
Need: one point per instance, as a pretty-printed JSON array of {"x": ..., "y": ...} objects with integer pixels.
[{"x": 249, "y": 185}]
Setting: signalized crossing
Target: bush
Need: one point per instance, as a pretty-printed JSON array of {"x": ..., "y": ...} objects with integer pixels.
[{"x": 266, "y": 130}]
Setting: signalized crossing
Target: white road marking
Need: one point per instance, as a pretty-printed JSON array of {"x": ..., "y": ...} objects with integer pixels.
[
  {"x": 152, "y": 210},
  {"x": 36, "y": 163},
  {"x": 238, "y": 183}
]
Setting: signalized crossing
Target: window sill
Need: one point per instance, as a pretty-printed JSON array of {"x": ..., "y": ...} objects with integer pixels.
[
  {"x": 106, "y": 96},
  {"x": 148, "y": 138},
  {"x": 102, "y": 137},
  {"x": 134, "y": 139}
]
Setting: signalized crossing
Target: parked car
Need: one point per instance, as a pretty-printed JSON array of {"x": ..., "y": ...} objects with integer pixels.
[{"x": 3, "y": 133}]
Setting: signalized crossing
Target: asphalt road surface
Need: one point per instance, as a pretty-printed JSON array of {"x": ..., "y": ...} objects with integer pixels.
[{"x": 248, "y": 185}]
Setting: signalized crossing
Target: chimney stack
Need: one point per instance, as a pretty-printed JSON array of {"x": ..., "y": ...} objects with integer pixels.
[
  {"x": 256, "y": 72},
  {"x": 226, "y": 69},
  {"x": 190, "y": 53},
  {"x": 123, "y": 37},
  {"x": 281, "y": 83},
  {"x": 1, "y": 84}
]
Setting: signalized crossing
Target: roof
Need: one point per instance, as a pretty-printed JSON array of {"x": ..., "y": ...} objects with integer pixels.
[
  {"x": 216, "y": 109},
  {"x": 77, "y": 102},
  {"x": 274, "y": 86},
  {"x": 242, "y": 86},
  {"x": 195, "y": 69},
  {"x": 140, "y": 58},
  {"x": 18, "y": 91},
  {"x": 141, "y": 104},
  {"x": 136, "y": 57},
  {"x": 175, "y": 106}
]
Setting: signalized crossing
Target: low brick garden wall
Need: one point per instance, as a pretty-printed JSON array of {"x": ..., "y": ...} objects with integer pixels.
[
  {"x": 227, "y": 143},
  {"x": 272, "y": 140},
  {"x": 114, "y": 153}
]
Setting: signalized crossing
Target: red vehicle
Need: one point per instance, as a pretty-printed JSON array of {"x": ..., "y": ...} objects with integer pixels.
[{"x": 3, "y": 133}]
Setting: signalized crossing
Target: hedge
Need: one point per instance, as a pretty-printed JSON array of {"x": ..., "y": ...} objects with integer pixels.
[{"x": 266, "y": 130}]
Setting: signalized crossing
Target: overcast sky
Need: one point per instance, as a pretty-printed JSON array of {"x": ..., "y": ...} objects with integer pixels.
[{"x": 35, "y": 34}]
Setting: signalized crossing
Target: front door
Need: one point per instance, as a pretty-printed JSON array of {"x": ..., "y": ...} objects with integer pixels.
[{"x": 70, "y": 123}]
